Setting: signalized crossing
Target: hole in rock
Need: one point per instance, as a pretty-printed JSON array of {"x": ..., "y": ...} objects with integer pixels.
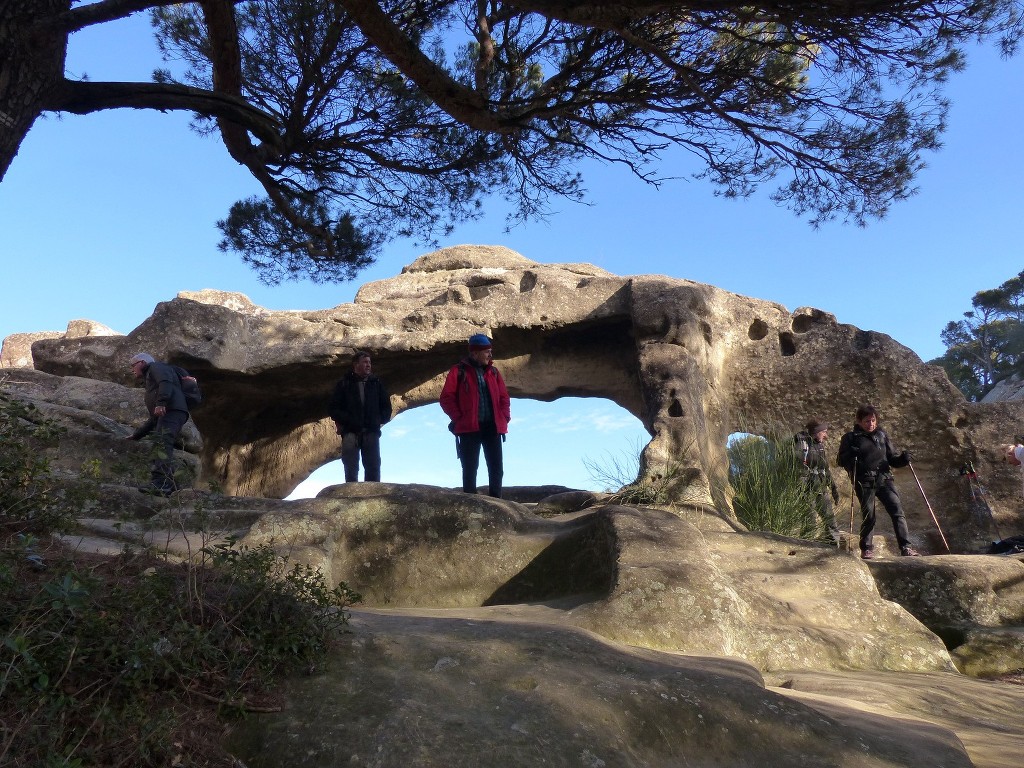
[
  {"x": 803, "y": 323},
  {"x": 548, "y": 444},
  {"x": 758, "y": 330}
]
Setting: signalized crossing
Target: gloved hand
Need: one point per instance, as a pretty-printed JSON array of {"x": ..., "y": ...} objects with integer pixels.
[
  {"x": 851, "y": 457},
  {"x": 906, "y": 457}
]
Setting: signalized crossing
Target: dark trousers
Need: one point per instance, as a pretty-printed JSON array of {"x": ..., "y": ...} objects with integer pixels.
[
  {"x": 885, "y": 491},
  {"x": 469, "y": 453},
  {"x": 165, "y": 434},
  {"x": 366, "y": 443}
]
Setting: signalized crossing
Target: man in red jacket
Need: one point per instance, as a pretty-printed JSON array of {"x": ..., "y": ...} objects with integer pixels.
[{"x": 475, "y": 399}]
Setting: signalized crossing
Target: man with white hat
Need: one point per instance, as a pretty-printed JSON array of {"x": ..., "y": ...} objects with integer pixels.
[{"x": 168, "y": 413}]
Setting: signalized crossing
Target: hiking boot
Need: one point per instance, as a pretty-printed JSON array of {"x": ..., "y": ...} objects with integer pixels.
[
  {"x": 909, "y": 552},
  {"x": 867, "y": 554}
]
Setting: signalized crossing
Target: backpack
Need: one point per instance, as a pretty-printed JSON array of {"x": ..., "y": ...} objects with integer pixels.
[
  {"x": 189, "y": 387},
  {"x": 802, "y": 446},
  {"x": 1011, "y": 546},
  {"x": 458, "y": 383}
]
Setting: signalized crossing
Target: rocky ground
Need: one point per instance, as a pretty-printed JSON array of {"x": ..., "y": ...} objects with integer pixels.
[
  {"x": 565, "y": 629},
  {"x": 612, "y": 636}
]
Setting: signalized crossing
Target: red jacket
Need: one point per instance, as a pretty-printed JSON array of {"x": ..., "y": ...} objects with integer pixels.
[{"x": 460, "y": 398}]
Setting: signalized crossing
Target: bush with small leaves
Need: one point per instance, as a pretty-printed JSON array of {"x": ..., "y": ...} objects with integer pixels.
[{"x": 27, "y": 491}]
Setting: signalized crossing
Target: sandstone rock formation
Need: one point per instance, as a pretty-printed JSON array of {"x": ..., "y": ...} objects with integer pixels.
[
  {"x": 461, "y": 692},
  {"x": 16, "y": 351},
  {"x": 1007, "y": 389},
  {"x": 686, "y": 582},
  {"x": 692, "y": 362},
  {"x": 978, "y": 611},
  {"x": 588, "y": 637}
]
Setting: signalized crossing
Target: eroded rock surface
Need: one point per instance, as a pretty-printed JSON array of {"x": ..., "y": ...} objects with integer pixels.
[
  {"x": 611, "y": 635},
  {"x": 413, "y": 690},
  {"x": 686, "y": 582},
  {"x": 694, "y": 363}
]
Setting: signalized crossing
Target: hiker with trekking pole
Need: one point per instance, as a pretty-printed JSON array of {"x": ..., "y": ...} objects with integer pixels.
[
  {"x": 821, "y": 487},
  {"x": 867, "y": 454}
]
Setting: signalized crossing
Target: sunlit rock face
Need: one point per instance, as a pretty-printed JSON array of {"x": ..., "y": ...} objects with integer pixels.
[
  {"x": 570, "y": 629},
  {"x": 693, "y": 362}
]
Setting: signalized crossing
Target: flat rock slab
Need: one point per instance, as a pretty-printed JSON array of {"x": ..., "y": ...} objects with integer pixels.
[
  {"x": 985, "y": 715},
  {"x": 448, "y": 690}
]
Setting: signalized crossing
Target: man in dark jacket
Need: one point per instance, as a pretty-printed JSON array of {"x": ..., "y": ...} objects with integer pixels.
[
  {"x": 475, "y": 398},
  {"x": 868, "y": 455},
  {"x": 360, "y": 406},
  {"x": 810, "y": 448},
  {"x": 168, "y": 413}
]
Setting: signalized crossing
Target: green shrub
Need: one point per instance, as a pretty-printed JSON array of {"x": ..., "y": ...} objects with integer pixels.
[
  {"x": 769, "y": 489},
  {"x": 129, "y": 660},
  {"x": 99, "y": 662},
  {"x": 28, "y": 499},
  {"x": 620, "y": 475}
]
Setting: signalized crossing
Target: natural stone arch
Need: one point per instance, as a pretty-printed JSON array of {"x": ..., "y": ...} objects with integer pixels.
[
  {"x": 692, "y": 362},
  {"x": 557, "y": 444}
]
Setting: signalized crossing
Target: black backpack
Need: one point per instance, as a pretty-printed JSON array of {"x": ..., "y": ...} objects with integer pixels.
[{"x": 189, "y": 387}]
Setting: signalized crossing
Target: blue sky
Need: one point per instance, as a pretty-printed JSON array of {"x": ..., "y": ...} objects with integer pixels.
[{"x": 103, "y": 216}]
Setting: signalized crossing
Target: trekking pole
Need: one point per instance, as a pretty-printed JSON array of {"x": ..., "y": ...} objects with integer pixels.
[
  {"x": 853, "y": 491},
  {"x": 930, "y": 511},
  {"x": 978, "y": 493}
]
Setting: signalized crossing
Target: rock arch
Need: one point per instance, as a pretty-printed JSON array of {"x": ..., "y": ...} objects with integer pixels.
[{"x": 693, "y": 362}]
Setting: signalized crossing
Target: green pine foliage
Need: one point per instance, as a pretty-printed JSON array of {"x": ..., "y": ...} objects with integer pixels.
[{"x": 987, "y": 346}]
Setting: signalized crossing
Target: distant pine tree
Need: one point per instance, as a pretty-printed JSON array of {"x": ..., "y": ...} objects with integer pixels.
[{"x": 987, "y": 346}]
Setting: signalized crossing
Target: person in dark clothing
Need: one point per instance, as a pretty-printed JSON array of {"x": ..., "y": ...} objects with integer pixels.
[
  {"x": 868, "y": 455},
  {"x": 360, "y": 406},
  {"x": 475, "y": 398},
  {"x": 168, "y": 413},
  {"x": 810, "y": 447}
]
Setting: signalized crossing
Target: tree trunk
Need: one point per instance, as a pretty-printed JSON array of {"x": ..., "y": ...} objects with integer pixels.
[{"x": 31, "y": 68}]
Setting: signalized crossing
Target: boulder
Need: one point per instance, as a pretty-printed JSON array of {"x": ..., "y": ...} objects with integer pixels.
[
  {"x": 991, "y": 652},
  {"x": 644, "y": 577},
  {"x": 463, "y": 692},
  {"x": 975, "y": 603},
  {"x": 16, "y": 351},
  {"x": 567, "y": 501}
]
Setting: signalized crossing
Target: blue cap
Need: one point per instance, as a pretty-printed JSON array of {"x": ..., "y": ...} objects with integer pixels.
[{"x": 479, "y": 341}]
